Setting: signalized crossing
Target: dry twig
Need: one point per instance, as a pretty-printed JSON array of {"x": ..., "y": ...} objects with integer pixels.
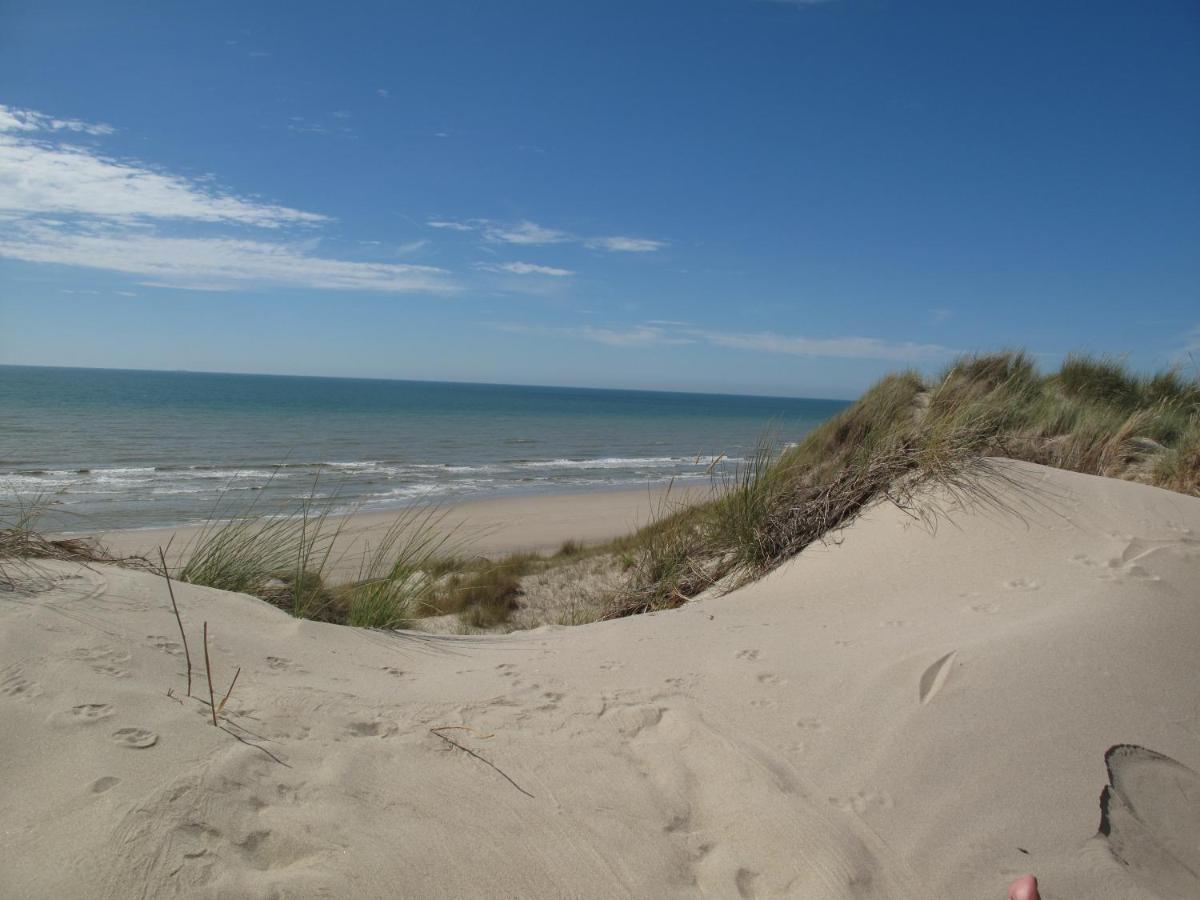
[{"x": 182, "y": 635}]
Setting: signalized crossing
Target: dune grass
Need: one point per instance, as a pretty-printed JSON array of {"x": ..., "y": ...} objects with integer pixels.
[
  {"x": 23, "y": 545},
  {"x": 907, "y": 432}
]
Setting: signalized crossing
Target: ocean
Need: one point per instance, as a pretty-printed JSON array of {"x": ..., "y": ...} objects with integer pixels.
[{"x": 138, "y": 449}]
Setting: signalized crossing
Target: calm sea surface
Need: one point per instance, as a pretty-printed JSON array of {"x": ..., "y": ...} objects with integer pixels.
[{"x": 128, "y": 449}]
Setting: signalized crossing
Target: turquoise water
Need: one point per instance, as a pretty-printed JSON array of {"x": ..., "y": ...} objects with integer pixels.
[{"x": 129, "y": 449}]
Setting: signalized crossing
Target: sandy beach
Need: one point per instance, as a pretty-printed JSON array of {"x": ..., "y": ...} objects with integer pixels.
[
  {"x": 495, "y": 527},
  {"x": 900, "y": 712}
]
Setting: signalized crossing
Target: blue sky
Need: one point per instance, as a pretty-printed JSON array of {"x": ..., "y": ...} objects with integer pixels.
[{"x": 733, "y": 195}]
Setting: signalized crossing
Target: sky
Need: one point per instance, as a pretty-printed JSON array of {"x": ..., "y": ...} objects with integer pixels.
[{"x": 742, "y": 196}]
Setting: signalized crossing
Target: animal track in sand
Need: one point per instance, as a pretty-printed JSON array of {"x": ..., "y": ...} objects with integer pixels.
[
  {"x": 373, "y": 729},
  {"x": 100, "y": 785},
  {"x": 811, "y": 724},
  {"x": 87, "y": 713},
  {"x": 1022, "y": 584},
  {"x": 894, "y": 623},
  {"x": 744, "y": 882},
  {"x": 934, "y": 677},
  {"x": 283, "y": 664},
  {"x": 748, "y": 655},
  {"x": 770, "y": 678},
  {"x": 987, "y": 609},
  {"x": 165, "y": 644},
  {"x": 862, "y": 802},
  {"x": 17, "y": 685},
  {"x": 134, "y": 738},
  {"x": 110, "y": 671},
  {"x": 104, "y": 660}
]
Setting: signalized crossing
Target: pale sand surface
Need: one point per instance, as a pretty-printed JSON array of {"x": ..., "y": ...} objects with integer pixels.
[
  {"x": 896, "y": 714},
  {"x": 495, "y": 527}
]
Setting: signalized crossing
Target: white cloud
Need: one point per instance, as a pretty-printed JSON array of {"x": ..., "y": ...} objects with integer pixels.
[
  {"x": 532, "y": 234},
  {"x": 838, "y": 348},
  {"x": 635, "y": 336},
  {"x": 410, "y": 247},
  {"x": 215, "y": 263},
  {"x": 524, "y": 268},
  {"x": 666, "y": 333},
  {"x": 40, "y": 178},
  {"x": 65, "y": 204},
  {"x": 383, "y": 92},
  {"x": 15, "y": 119},
  {"x": 620, "y": 244},
  {"x": 523, "y": 233}
]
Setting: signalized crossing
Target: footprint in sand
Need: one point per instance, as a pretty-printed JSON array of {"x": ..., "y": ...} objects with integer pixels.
[
  {"x": 1022, "y": 584},
  {"x": 100, "y": 785},
  {"x": 17, "y": 685},
  {"x": 85, "y": 713},
  {"x": 134, "y": 738},
  {"x": 282, "y": 664},
  {"x": 1150, "y": 819},
  {"x": 934, "y": 677},
  {"x": 372, "y": 729},
  {"x": 748, "y": 655},
  {"x": 862, "y": 802},
  {"x": 771, "y": 678},
  {"x": 165, "y": 644}
]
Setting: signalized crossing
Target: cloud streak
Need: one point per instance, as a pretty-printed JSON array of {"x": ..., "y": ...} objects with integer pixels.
[
  {"x": 66, "y": 204},
  {"x": 670, "y": 333},
  {"x": 529, "y": 233},
  {"x": 215, "y": 264},
  {"x": 524, "y": 268}
]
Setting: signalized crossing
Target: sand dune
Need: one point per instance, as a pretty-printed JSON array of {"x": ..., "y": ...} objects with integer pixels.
[{"x": 897, "y": 713}]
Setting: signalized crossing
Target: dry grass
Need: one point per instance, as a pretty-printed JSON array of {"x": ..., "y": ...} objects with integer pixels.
[
  {"x": 22, "y": 546},
  {"x": 903, "y": 435}
]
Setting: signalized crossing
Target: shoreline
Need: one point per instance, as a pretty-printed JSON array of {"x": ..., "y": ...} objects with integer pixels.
[{"x": 491, "y": 527}]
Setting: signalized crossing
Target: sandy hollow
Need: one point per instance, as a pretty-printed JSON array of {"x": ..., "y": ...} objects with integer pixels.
[{"x": 900, "y": 713}]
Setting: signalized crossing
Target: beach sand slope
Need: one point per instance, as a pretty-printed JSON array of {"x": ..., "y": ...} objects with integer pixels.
[{"x": 899, "y": 712}]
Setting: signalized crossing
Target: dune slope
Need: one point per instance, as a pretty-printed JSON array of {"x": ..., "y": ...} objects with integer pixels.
[{"x": 896, "y": 713}]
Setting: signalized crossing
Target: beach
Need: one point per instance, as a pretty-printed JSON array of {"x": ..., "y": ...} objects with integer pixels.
[
  {"x": 493, "y": 528},
  {"x": 908, "y": 709}
]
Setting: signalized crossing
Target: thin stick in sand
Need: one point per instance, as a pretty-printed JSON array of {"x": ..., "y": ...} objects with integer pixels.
[
  {"x": 212, "y": 701},
  {"x": 186, "y": 652},
  {"x": 225, "y": 699},
  {"x": 470, "y": 752}
]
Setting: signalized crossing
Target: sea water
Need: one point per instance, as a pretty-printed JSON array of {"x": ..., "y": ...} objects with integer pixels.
[{"x": 132, "y": 449}]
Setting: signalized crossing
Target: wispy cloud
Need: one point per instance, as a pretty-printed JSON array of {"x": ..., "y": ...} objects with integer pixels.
[
  {"x": 668, "y": 333},
  {"x": 450, "y": 226},
  {"x": 635, "y": 336},
  {"x": 838, "y": 348},
  {"x": 524, "y": 268},
  {"x": 66, "y": 204},
  {"x": 210, "y": 264},
  {"x": 39, "y": 177},
  {"x": 620, "y": 244},
  {"x": 529, "y": 233},
  {"x": 14, "y": 119}
]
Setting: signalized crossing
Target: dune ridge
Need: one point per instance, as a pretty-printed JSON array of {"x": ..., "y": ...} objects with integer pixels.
[{"x": 896, "y": 712}]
